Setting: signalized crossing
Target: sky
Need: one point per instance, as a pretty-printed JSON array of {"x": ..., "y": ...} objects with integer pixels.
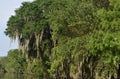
[{"x": 7, "y": 8}]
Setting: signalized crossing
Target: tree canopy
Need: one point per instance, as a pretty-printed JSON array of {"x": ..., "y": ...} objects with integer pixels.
[{"x": 65, "y": 39}]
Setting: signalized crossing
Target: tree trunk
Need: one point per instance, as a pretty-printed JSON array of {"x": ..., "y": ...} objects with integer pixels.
[
  {"x": 66, "y": 68},
  {"x": 118, "y": 72}
]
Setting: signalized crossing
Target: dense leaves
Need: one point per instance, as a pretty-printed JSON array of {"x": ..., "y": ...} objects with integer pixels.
[
  {"x": 16, "y": 61},
  {"x": 64, "y": 39}
]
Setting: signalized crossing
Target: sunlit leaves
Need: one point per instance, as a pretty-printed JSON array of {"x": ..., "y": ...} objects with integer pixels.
[{"x": 82, "y": 33}]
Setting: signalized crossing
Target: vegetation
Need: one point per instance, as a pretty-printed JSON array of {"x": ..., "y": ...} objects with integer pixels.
[
  {"x": 15, "y": 62},
  {"x": 65, "y": 39},
  {"x": 3, "y": 61}
]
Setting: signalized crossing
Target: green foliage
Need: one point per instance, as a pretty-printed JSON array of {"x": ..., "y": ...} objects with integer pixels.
[
  {"x": 3, "y": 61},
  {"x": 66, "y": 38},
  {"x": 17, "y": 62}
]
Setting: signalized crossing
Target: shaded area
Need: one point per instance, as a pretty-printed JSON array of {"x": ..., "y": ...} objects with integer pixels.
[{"x": 17, "y": 76}]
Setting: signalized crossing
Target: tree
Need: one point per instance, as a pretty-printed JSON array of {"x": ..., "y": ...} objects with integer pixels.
[
  {"x": 65, "y": 39},
  {"x": 17, "y": 62}
]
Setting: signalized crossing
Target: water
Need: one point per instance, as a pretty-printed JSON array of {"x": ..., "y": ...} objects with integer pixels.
[{"x": 17, "y": 76}]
